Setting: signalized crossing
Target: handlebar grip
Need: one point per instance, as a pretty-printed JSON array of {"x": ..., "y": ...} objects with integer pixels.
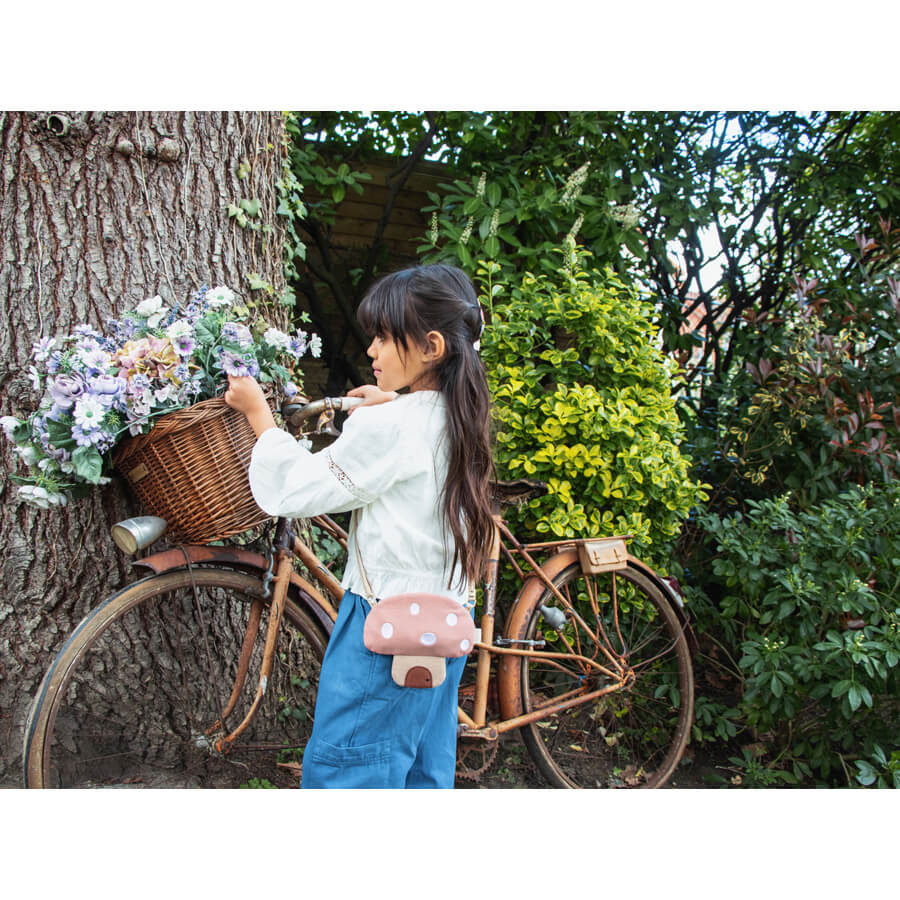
[{"x": 295, "y": 413}]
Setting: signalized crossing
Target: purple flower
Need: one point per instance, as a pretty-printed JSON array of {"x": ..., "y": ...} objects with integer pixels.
[
  {"x": 65, "y": 390},
  {"x": 182, "y": 372},
  {"x": 41, "y": 349},
  {"x": 83, "y": 436},
  {"x": 298, "y": 344},
  {"x": 238, "y": 333},
  {"x": 85, "y": 331},
  {"x": 54, "y": 361},
  {"x": 109, "y": 389},
  {"x": 237, "y": 365},
  {"x": 290, "y": 389},
  {"x": 184, "y": 346},
  {"x": 138, "y": 384},
  {"x": 95, "y": 360}
]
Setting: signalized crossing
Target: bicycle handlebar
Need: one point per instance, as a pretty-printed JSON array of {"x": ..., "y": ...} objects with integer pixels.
[{"x": 296, "y": 413}]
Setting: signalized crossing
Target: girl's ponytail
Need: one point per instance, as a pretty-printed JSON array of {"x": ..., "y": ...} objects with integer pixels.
[{"x": 407, "y": 305}]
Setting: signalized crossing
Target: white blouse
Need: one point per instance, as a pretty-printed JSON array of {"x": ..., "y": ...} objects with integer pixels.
[{"x": 390, "y": 463}]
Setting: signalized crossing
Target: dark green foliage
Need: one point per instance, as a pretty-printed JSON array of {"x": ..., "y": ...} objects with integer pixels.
[{"x": 807, "y": 604}]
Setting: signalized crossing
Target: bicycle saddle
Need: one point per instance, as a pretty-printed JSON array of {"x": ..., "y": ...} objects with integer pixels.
[{"x": 519, "y": 491}]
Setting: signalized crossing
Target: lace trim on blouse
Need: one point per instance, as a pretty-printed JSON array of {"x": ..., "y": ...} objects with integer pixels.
[{"x": 346, "y": 481}]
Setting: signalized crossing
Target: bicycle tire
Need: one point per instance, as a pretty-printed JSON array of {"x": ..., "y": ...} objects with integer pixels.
[
  {"x": 632, "y": 737},
  {"x": 129, "y": 697}
]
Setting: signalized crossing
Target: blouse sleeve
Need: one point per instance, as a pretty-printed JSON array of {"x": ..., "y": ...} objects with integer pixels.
[{"x": 367, "y": 460}]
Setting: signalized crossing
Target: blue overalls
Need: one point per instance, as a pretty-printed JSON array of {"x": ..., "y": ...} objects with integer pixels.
[{"x": 368, "y": 731}]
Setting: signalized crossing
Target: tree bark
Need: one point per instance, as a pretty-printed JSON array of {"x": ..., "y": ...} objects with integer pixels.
[{"x": 98, "y": 212}]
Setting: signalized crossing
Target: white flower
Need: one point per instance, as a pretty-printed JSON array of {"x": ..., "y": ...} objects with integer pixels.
[
  {"x": 627, "y": 215},
  {"x": 315, "y": 346},
  {"x": 89, "y": 412},
  {"x": 152, "y": 310},
  {"x": 220, "y": 296},
  {"x": 9, "y": 424},
  {"x": 573, "y": 186},
  {"x": 35, "y": 377},
  {"x": 179, "y": 328},
  {"x": 35, "y": 496},
  {"x": 277, "y": 339},
  {"x": 27, "y": 453},
  {"x": 169, "y": 392}
]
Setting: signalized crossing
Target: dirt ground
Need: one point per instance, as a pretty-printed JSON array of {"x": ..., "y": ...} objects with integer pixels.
[{"x": 513, "y": 768}]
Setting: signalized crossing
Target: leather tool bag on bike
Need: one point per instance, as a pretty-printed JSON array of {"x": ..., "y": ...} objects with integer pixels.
[{"x": 419, "y": 630}]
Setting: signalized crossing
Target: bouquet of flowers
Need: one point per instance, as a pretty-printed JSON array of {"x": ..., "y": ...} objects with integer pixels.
[{"x": 98, "y": 389}]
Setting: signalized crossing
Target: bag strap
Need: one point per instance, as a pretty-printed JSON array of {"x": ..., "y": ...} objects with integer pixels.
[
  {"x": 370, "y": 594},
  {"x": 371, "y": 599}
]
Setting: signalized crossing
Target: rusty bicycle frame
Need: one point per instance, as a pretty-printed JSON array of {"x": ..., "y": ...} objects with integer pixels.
[{"x": 280, "y": 572}]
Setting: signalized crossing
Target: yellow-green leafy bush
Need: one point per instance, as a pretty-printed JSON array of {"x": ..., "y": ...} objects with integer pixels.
[{"x": 583, "y": 402}]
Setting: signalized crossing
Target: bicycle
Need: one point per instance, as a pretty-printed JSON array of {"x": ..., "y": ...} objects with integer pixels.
[{"x": 179, "y": 679}]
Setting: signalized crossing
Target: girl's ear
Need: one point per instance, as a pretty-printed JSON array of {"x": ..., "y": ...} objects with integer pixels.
[{"x": 435, "y": 346}]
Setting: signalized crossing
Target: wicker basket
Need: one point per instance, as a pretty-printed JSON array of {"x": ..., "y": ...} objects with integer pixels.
[{"x": 191, "y": 469}]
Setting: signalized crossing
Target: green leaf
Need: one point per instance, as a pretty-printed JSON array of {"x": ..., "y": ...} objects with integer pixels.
[
  {"x": 60, "y": 434},
  {"x": 251, "y": 207},
  {"x": 88, "y": 464},
  {"x": 258, "y": 284},
  {"x": 338, "y": 192},
  {"x": 493, "y": 193}
]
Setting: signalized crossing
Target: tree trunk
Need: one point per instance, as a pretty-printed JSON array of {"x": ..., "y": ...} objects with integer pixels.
[{"x": 99, "y": 211}]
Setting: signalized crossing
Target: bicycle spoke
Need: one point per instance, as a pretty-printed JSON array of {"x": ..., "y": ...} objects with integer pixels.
[
  {"x": 141, "y": 695},
  {"x": 624, "y": 738}
]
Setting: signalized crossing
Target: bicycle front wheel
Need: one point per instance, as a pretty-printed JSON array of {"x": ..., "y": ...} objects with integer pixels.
[
  {"x": 630, "y": 737},
  {"x": 135, "y": 695}
]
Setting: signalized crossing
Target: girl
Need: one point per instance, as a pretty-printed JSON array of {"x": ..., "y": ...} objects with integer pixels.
[{"x": 416, "y": 467}]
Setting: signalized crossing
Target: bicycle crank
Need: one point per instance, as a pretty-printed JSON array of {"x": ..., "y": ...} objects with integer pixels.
[{"x": 474, "y": 756}]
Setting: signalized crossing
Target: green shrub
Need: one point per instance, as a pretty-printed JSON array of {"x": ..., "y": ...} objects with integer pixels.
[
  {"x": 583, "y": 402},
  {"x": 806, "y": 606}
]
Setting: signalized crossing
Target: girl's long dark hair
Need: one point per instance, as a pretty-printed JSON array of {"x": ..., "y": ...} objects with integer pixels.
[{"x": 406, "y": 305}]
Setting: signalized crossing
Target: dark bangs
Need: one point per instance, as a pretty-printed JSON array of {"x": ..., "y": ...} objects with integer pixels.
[{"x": 384, "y": 311}]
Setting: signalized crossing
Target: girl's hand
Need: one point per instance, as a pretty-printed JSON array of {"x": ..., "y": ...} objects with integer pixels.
[
  {"x": 246, "y": 396},
  {"x": 372, "y": 395}
]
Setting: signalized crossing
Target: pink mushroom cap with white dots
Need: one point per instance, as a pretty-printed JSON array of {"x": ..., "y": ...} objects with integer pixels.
[{"x": 419, "y": 625}]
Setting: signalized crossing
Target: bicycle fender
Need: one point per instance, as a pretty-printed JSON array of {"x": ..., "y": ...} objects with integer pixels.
[
  {"x": 200, "y": 554},
  {"x": 675, "y": 602}
]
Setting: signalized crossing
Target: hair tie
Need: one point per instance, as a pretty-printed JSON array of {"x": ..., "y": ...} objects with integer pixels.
[{"x": 477, "y": 343}]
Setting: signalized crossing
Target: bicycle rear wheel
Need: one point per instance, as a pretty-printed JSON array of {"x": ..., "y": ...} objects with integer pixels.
[
  {"x": 633, "y": 737},
  {"x": 133, "y": 696}
]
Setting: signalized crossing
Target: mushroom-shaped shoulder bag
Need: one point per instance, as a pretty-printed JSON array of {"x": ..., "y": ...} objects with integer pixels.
[{"x": 419, "y": 630}]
